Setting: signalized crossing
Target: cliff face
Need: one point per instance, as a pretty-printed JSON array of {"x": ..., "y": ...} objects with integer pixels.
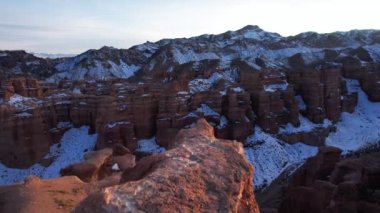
[
  {"x": 327, "y": 183},
  {"x": 232, "y": 100},
  {"x": 201, "y": 173}
]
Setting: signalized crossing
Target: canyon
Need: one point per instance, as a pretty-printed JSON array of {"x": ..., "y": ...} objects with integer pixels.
[{"x": 187, "y": 111}]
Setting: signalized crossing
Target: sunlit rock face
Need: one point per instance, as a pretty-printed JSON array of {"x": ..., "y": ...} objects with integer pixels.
[{"x": 201, "y": 173}]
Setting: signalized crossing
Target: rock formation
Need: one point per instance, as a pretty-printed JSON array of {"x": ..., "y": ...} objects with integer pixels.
[
  {"x": 190, "y": 177},
  {"x": 201, "y": 173},
  {"x": 327, "y": 183},
  {"x": 293, "y": 88}
]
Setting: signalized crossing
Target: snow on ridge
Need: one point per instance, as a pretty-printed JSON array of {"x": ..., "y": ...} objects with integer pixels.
[
  {"x": 52, "y": 56},
  {"x": 190, "y": 56},
  {"x": 74, "y": 71},
  {"x": 70, "y": 64},
  {"x": 74, "y": 143}
]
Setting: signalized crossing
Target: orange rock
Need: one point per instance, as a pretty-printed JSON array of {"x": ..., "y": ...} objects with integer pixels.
[{"x": 200, "y": 174}]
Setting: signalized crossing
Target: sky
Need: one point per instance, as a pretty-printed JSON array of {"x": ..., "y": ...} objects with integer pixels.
[{"x": 74, "y": 26}]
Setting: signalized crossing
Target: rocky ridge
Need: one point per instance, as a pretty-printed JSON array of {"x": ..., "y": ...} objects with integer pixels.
[{"x": 199, "y": 163}]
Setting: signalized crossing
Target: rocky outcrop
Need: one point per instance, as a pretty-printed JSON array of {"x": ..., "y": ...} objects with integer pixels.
[
  {"x": 20, "y": 63},
  {"x": 101, "y": 164},
  {"x": 327, "y": 183},
  {"x": 200, "y": 174},
  {"x": 122, "y": 112},
  {"x": 368, "y": 75},
  {"x": 92, "y": 168},
  {"x": 24, "y": 86},
  {"x": 36, "y": 195},
  {"x": 321, "y": 91},
  {"x": 272, "y": 97},
  {"x": 25, "y": 136}
]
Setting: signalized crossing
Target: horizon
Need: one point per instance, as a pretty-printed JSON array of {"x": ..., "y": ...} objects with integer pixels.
[{"x": 73, "y": 27}]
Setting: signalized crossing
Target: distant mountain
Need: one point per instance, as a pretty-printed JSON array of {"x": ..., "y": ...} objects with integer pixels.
[
  {"x": 52, "y": 56},
  {"x": 250, "y": 44},
  {"x": 13, "y": 63}
]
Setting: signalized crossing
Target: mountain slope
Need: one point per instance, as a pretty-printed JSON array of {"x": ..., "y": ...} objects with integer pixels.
[{"x": 251, "y": 44}]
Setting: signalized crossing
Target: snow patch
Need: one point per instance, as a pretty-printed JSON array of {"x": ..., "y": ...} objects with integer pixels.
[
  {"x": 237, "y": 89},
  {"x": 275, "y": 87},
  {"x": 201, "y": 84},
  {"x": 223, "y": 122},
  {"x": 77, "y": 91},
  {"x": 74, "y": 143},
  {"x": 115, "y": 167},
  {"x": 301, "y": 103},
  {"x": 305, "y": 126},
  {"x": 149, "y": 146},
  {"x": 24, "y": 115},
  {"x": 271, "y": 157},
  {"x": 23, "y": 103},
  {"x": 190, "y": 55},
  {"x": 207, "y": 111},
  {"x": 113, "y": 125},
  {"x": 100, "y": 70}
]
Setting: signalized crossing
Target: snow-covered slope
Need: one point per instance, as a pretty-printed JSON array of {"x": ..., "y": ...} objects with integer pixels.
[
  {"x": 247, "y": 44},
  {"x": 359, "y": 129},
  {"x": 74, "y": 143},
  {"x": 99, "y": 64},
  {"x": 252, "y": 42},
  {"x": 270, "y": 156}
]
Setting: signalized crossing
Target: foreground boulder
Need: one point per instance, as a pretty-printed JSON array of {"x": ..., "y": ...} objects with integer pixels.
[
  {"x": 92, "y": 168},
  {"x": 36, "y": 195},
  {"x": 201, "y": 174}
]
